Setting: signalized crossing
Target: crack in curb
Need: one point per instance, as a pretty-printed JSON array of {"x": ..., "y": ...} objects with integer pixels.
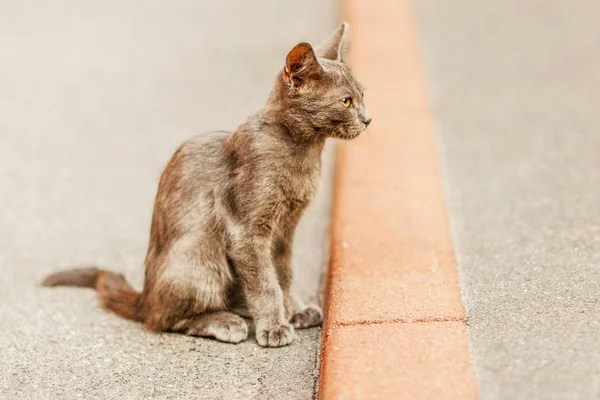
[{"x": 399, "y": 321}]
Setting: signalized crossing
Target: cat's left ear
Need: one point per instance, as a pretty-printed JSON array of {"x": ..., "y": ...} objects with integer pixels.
[
  {"x": 301, "y": 64},
  {"x": 336, "y": 46}
]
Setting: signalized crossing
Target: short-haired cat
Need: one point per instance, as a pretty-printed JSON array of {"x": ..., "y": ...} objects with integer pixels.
[{"x": 228, "y": 205}]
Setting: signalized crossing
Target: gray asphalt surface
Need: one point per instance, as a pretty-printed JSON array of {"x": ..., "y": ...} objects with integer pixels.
[
  {"x": 94, "y": 98},
  {"x": 514, "y": 86}
]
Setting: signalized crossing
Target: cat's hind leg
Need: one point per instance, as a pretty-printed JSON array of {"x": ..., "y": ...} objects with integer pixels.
[{"x": 221, "y": 325}]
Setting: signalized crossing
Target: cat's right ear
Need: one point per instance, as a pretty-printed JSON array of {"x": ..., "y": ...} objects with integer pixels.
[
  {"x": 301, "y": 65},
  {"x": 336, "y": 46}
]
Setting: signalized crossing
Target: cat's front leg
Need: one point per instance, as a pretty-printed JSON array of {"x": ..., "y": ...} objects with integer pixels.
[
  {"x": 264, "y": 296},
  {"x": 300, "y": 315}
]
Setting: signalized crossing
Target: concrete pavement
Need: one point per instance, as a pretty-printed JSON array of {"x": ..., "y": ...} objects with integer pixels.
[
  {"x": 94, "y": 98},
  {"x": 514, "y": 88}
]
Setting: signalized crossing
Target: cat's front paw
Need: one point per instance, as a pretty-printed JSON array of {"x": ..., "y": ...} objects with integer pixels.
[
  {"x": 275, "y": 336},
  {"x": 310, "y": 316}
]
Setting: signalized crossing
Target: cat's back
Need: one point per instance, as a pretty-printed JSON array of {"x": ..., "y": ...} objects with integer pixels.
[
  {"x": 198, "y": 158},
  {"x": 191, "y": 176},
  {"x": 204, "y": 148}
]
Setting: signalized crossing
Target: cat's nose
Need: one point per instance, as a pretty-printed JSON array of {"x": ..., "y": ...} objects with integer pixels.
[{"x": 365, "y": 116}]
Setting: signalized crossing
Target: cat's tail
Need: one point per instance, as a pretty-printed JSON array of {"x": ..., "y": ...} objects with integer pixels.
[{"x": 114, "y": 293}]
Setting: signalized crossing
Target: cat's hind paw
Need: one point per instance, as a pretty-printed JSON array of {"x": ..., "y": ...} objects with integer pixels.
[{"x": 309, "y": 317}]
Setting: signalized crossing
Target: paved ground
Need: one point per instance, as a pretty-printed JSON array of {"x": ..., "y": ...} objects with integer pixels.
[
  {"x": 514, "y": 87},
  {"x": 94, "y": 98}
]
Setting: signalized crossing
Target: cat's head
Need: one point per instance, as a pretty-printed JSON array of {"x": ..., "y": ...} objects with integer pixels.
[{"x": 321, "y": 92}]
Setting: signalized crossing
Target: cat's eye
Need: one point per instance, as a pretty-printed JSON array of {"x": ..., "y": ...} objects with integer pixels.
[{"x": 346, "y": 102}]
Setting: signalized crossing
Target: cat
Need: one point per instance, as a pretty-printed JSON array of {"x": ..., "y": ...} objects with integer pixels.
[{"x": 227, "y": 207}]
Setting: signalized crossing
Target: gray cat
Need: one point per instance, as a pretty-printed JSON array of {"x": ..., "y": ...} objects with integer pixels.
[{"x": 228, "y": 205}]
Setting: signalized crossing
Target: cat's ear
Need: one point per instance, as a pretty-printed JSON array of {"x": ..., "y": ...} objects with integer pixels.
[
  {"x": 336, "y": 46},
  {"x": 300, "y": 65}
]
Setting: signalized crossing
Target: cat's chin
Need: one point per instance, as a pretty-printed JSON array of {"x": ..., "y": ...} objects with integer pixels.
[{"x": 346, "y": 135}]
